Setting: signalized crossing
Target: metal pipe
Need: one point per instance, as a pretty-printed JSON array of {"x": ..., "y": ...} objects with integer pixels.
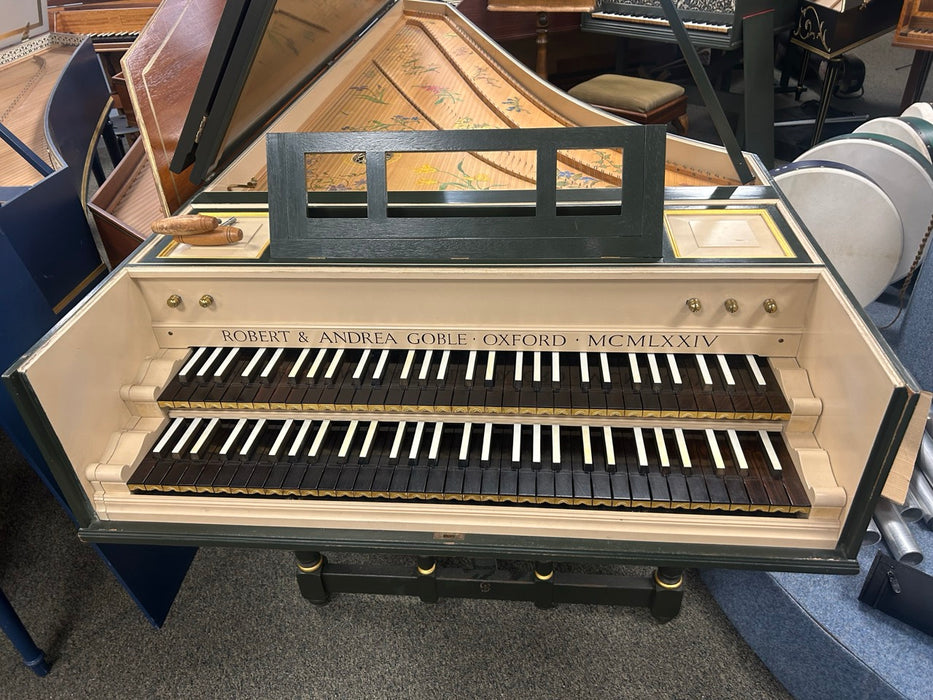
[
  {"x": 922, "y": 490},
  {"x": 872, "y": 534},
  {"x": 925, "y": 458},
  {"x": 896, "y": 534},
  {"x": 910, "y": 511}
]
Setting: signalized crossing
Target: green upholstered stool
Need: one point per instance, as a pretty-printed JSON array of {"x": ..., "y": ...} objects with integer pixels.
[{"x": 641, "y": 100}]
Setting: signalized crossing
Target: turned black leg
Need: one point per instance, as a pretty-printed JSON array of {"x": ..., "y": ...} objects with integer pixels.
[
  {"x": 427, "y": 579},
  {"x": 311, "y": 577},
  {"x": 668, "y": 593},
  {"x": 544, "y": 584}
]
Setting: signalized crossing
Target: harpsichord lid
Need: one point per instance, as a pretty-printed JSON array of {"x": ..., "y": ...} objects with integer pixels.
[{"x": 263, "y": 54}]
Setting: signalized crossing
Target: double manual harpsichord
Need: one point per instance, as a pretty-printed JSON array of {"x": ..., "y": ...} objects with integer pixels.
[{"x": 707, "y": 394}]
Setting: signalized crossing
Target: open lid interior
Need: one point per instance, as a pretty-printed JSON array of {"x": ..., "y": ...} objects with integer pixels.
[{"x": 263, "y": 54}]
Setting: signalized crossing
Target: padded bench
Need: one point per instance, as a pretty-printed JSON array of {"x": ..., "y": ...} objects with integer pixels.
[{"x": 637, "y": 99}]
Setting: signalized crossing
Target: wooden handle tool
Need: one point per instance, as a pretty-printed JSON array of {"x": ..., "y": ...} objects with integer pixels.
[
  {"x": 185, "y": 224},
  {"x": 222, "y": 235}
]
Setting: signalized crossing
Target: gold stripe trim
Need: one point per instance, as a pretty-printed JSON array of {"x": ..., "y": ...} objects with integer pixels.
[
  {"x": 314, "y": 567},
  {"x": 668, "y": 586},
  {"x": 428, "y": 572},
  {"x": 763, "y": 214},
  {"x": 92, "y": 150},
  {"x": 68, "y": 298}
]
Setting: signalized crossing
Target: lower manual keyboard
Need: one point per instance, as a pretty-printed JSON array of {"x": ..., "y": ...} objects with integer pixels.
[{"x": 578, "y": 465}]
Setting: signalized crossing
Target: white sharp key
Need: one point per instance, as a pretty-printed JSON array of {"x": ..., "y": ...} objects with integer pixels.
[
  {"x": 633, "y": 365},
  {"x": 726, "y": 372},
  {"x": 756, "y": 370},
  {"x": 251, "y": 366},
  {"x": 347, "y": 440},
  {"x": 704, "y": 371},
  {"x": 470, "y": 368},
  {"x": 406, "y": 367},
  {"x": 465, "y": 444},
  {"x": 334, "y": 364},
  {"x": 536, "y": 443},
  {"x": 675, "y": 370},
  {"x": 254, "y": 434},
  {"x": 714, "y": 449},
  {"x": 640, "y": 448},
  {"x": 316, "y": 365},
  {"x": 425, "y": 366},
  {"x": 555, "y": 444},
  {"x": 197, "y": 450},
  {"x": 190, "y": 364},
  {"x": 435, "y": 442},
  {"x": 487, "y": 442},
  {"x": 224, "y": 366},
  {"x": 519, "y": 361},
  {"x": 280, "y": 438},
  {"x": 397, "y": 442},
  {"x": 163, "y": 441},
  {"x": 442, "y": 368},
  {"x": 177, "y": 451},
  {"x": 270, "y": 365},
  {"x": 296, "y": 368},
  {"x": 604, "y": 368},
  {"x": 318, "y": 439},
  {"x": 380, "y": 366},
  {"x": 299, "y": 439},
  {"x": 584, "y": 370},
  {"x": 234, "y": 434},
  {"x": 587, "y": 445},
  {"x": 662, "y": 447},
  {"x": 490, "y": 367},
  {"x": 361, "y": 365},
  {"x": 555, "y": 368},
  {"x": 536, "y": 369},
  {"x": 737, "y": 449},
  {"x": 610, "y": 447},
  {"x": 769, "y": 450},
  {"x": 416, "y": 443},
  {"x": 653, "y": 366},
  {"x": 682, "y": 447},
  {"x": 210, "y": 361},
  {"x": 368, "y": 440}
]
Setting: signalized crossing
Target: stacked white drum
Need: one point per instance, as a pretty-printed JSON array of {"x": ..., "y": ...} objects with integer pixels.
[{"x": 867, "y": 197}]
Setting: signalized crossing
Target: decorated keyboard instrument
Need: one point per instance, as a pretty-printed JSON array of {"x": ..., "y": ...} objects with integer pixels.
[{"x": 718, "y": 400}]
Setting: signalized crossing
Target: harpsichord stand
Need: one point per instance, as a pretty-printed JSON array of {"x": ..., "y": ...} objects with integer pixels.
[{"x": 542, "y": 583}]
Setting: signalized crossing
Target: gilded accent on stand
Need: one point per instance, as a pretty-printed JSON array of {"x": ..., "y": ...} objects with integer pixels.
[
  {"x": 809, "y": 26},
  {"x": 669, "y": 586},
  {"x": 428, "y": 571},
  {"x": 314, "y": 567}
]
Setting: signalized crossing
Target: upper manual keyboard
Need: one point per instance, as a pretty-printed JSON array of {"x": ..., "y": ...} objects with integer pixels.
[{"x": 633, "y": 385}]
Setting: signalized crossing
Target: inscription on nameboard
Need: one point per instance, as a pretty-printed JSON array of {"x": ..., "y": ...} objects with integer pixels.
[{"x": 469, "y": 339}]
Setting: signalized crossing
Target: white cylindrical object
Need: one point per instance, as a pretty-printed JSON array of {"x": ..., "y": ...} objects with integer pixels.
[
  {"x": 872, "y": 534},
  {"x": 896, "y": 534}
]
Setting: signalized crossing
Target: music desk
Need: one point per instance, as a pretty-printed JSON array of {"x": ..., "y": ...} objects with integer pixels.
[{"x": 830, "y": 28}]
